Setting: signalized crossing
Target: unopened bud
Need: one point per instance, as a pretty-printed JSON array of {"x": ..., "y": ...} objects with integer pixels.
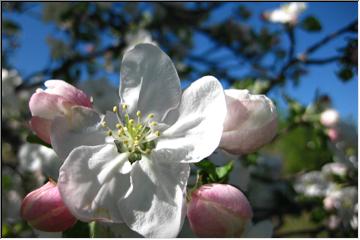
[
  {"x": 250, "y": 123},
  {"x": 45, "y": 210},
  {"x": 218, "y": 210}
]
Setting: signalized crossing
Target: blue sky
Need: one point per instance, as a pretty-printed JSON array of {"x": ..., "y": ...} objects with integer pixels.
[{"x": 34, "y": 54}]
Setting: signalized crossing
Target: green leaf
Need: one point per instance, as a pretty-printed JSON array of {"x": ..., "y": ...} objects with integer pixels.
[
  {"x": 224, "y": 171},
  {"x": 6, "y": 182},
  {"x": 210, "y": 173},
  {"x": 80, "y": 229},
  {"x": 32, "y": 138},
  {"x": 244, "y": 13},
  {"x": 205, "y": 165},
  {"x": 98, "y": 230},
  {"x": 311, "y": 24},
  {"x": 10, "y": 27},
  {"x": 345, "y": 74},
  {"x": 5, "y": 230},
  {"x": 250, "y": 159}
]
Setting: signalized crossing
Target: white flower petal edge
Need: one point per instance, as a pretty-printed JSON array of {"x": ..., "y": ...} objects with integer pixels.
[
  {"x": 90, "y": 184},
  {"x": 80, "y": 128},
  {"x": 197, "y": 131},
  {"x": 155, "y": 206},
  {"x": 149, "y": 78}
]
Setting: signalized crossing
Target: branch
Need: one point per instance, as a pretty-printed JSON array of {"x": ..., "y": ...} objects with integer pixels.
[
  {"x": 309, "y": 231},
  {"x": 291, "y": 35},
  {"x": 350, "y": 27},
  {"x": 66, "y": 65},
  {"x": 322, "y": 61}
]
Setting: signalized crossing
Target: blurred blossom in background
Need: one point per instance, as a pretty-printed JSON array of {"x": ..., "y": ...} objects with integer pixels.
[{"x": 303, "y": 56}]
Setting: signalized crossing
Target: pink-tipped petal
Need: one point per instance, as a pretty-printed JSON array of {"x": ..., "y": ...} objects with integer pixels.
[
  {"x": 41, "y": 127},
  {"x": 250, "y": 123},
  {"x": 48, "y": 106},
  {"x": 68, "y": 91},
  {"x": 45, "y": 210},
  {"x": 218, "y": 210},
  {"x": 248, "y": 140}
]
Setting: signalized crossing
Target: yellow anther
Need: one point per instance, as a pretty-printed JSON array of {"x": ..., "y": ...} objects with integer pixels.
[
  {"x": 103, "y": 124},
  {"x": 131, "y": 121},
  {"x": 124, "y": 107},
  {"x": 138, "y": 113},
  {"x": 115, "y": 109},
  {"x": 120, "y": 132},
  {"x": 109, "y": 133},
  {"x": 157, "y": 133},
  {"x": 118, "y": 126},
  {"x": 151, "y": 115},
  {"x": 153, "y": 124},
  {"x": 136, "y": 142}
]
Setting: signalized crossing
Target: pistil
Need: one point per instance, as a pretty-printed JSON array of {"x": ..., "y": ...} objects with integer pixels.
[{"x": 135, "y": 137}]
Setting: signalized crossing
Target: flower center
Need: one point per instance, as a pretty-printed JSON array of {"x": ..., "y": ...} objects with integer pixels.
[{"x": 136, "y": 137}]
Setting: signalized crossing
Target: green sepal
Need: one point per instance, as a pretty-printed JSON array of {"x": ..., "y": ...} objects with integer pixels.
[{"x": 32, "y": 138}]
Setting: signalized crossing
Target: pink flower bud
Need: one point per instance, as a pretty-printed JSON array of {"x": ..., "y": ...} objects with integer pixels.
[
  {"x": 55, "y": 100},
  {"x": 250, "y": 123},
  {"x": 329, "y": 118},
  {"x": 44, "y": 209},
  {"x": 333, "y": 134},
  {"x": 218, "y": 210},
  {"x": 330, "y": 202}
]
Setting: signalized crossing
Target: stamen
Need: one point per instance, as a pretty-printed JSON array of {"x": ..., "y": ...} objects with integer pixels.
[
  {"x": 124, "y": 107},
  {"x": 135, "y": 138}
]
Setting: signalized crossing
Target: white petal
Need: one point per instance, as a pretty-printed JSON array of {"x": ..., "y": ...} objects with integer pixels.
[
  {"x": 81, "y": 128},
  {"x": 197, "y": 132},
  {"x": 149, "y": 81},
  {"x": 155, "y": 206},
  {"x": 83, "y": 194},
  {"x": 34, "y": 157}
]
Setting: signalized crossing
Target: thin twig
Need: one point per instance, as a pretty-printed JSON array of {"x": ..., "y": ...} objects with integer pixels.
[
  {"x": 301, "y": 232},
  {"x": 350, "y": 27}
]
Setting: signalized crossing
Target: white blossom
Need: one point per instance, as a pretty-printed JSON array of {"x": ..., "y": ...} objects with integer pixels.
[
  {"x": 329, "y": 117},
  {"x": 35, "y": 157},
  {"x": 334, "y": 169},
  {"x": 10, "y": 79},
  {"x": 313, "y": 184},
  {"x": 132, "y": 165},
  {"x": 288, "y": 13}
]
